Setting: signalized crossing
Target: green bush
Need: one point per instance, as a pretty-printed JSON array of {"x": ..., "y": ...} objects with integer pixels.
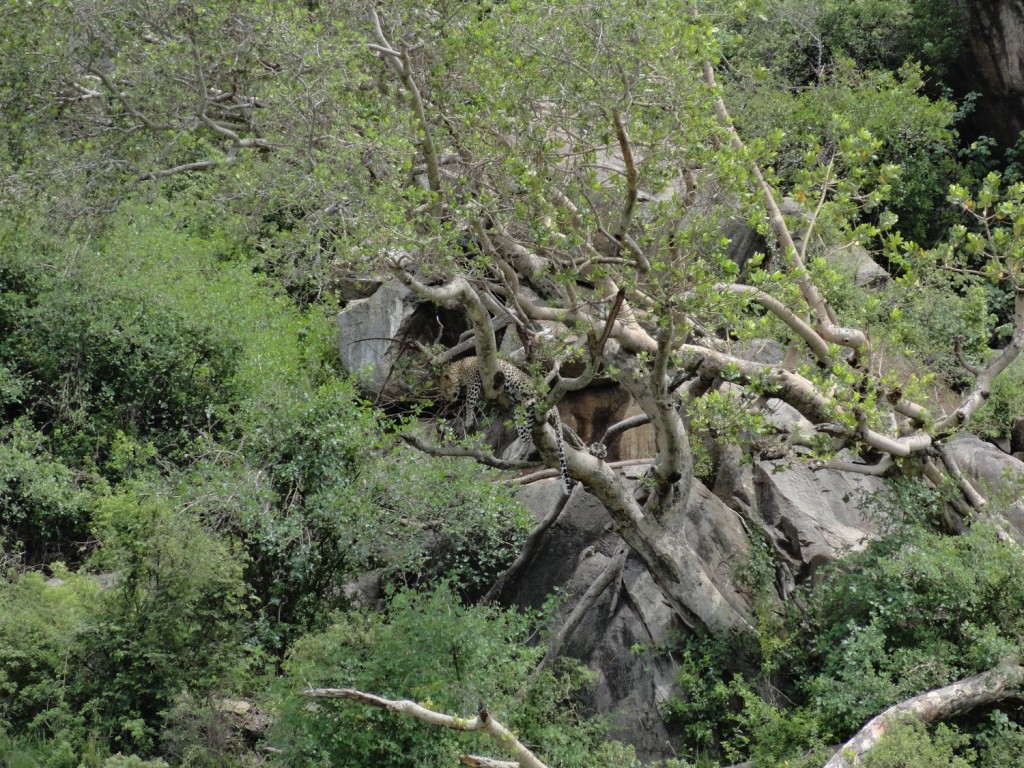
[
  {"x": 45, "y": 508},
  {"x": 151, "y": 333},
  {"x": 428, "y": 647},
  {"x": 316, "y": 497},
  {"x": 912, "y": 612},
  {"x": 909, "y": 744},
  {"x": 431, "y": 648},
  {"x": 42, "y": 624},
  {"x": 174, "y": 621},
  {"x": 916, "y": 134}
]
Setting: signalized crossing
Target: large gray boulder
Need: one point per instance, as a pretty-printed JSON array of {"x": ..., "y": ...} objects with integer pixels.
[
  {"x": 996, "y": 67},
  {"x": 376, "y": 334},
  {"x": 812, "y": 517},
  {"x": 1000, "y": 478},
  {"x": 631, "y": 613}
]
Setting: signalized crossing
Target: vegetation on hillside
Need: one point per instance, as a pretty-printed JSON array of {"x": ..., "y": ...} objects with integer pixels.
[{"x": 192, "y": 491}]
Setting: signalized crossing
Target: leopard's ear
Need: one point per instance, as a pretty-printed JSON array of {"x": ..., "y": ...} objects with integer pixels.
[{"x": 499, "y": 380}]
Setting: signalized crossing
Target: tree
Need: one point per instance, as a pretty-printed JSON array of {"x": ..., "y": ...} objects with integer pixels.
[
  {"x": 573, "y": 169},
  {"x": 608, "y": 166}
]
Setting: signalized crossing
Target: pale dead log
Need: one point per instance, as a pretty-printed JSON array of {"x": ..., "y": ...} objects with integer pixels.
[
  {"x": 477, "y": 761},
  {"x": 483, "y": 721},
  {"x": 995, "y": 685}
]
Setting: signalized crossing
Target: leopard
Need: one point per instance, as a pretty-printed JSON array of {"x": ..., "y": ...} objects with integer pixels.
[{"x": 465, "y": 374}]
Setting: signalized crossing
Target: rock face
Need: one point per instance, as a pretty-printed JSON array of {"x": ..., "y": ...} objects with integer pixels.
[
  {"x": 373, "y": 334},
  {"x": 857, "y": 262},
  {"x": 999, "y": 477},
  {"x": 997, "y": 67},
  {"x": 812, "y": 517},
  {"x": 590, "y": 412},
  {"x": 631, "y": 612}
]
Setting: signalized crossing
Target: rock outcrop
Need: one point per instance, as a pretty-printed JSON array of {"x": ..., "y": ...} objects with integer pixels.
[
  {"x": 374, "y": 333},
  {"x": 996, "y": 69},
  {"x": 999, "y": 477},
  {"x": 811, "y": 518},
  {"x": 630, "y": 614}
]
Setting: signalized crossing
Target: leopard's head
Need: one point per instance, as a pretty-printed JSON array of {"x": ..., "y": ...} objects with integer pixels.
[{"x": 449, "y": 385}]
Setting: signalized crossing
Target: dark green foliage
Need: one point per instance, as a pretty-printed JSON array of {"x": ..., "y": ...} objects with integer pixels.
[
  {"x": 1002, "y": 743},
  {"x": 801, "y": 40},
  {"x": 110, "y": 360},
  {"x": 40, "y": 626},
  {"x": 884, "y": 35},
  {"x": 172, "y": 623},
  {"x": 910, "y": 744},
  {"x": 45, "y": 510},
  {"x": 333, "y": 503},
  {"x": 915, "y": 611},
  {"x": 100, "y": 348},
  {"x": 428, "y": 646},
  {"x": 808, "y": 125}
]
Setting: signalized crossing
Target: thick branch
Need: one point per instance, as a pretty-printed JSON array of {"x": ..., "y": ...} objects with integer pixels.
[
  {"x": 814, "y": 341},
  {"x": 983, "y": 383},
  {"x": 626, "y": 215},
  {"x": 459, "y": 294},
  {"x": 974, "y": 498},
  {"x": 476, "y": 761},
  {"x": 462, "y": 451},
  {"x": 816, "y": 303},
  {"x": 860, "y": 468},
  {"x": 1003, "y": 682},
  {"x": 595, "y": 348},
  {"x": 674, "y": 469},
  {"x": 673, "y": 565},
  {"x": 482, "y": 722},
  {"x": 625, "y": 425}
]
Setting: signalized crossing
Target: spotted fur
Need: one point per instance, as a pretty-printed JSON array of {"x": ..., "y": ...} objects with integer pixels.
[{"x": 465, "y": 374}]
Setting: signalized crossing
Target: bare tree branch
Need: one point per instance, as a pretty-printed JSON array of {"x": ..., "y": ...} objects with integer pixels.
[
  {"x": 816, "y": 303},
  {"x": 483, "y": 721},
  {"x": 463, "y": 451},
  {"x": 983, "y": 383},
  {"x": 624, "y": 426},
  {"x": 626, "y": 214},
  {"x": 476, "y": 761},
  {"x": 459, "y": 294}
]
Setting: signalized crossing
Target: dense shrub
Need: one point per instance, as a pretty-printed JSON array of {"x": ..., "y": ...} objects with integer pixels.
[
  {"x": 430, "y": 647},
  {"x": 174, "y": 621},
  {"x": 41, "y": 625},
  {"x": 45, "y": 507},
  {"x": 914, "y": 611}
]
